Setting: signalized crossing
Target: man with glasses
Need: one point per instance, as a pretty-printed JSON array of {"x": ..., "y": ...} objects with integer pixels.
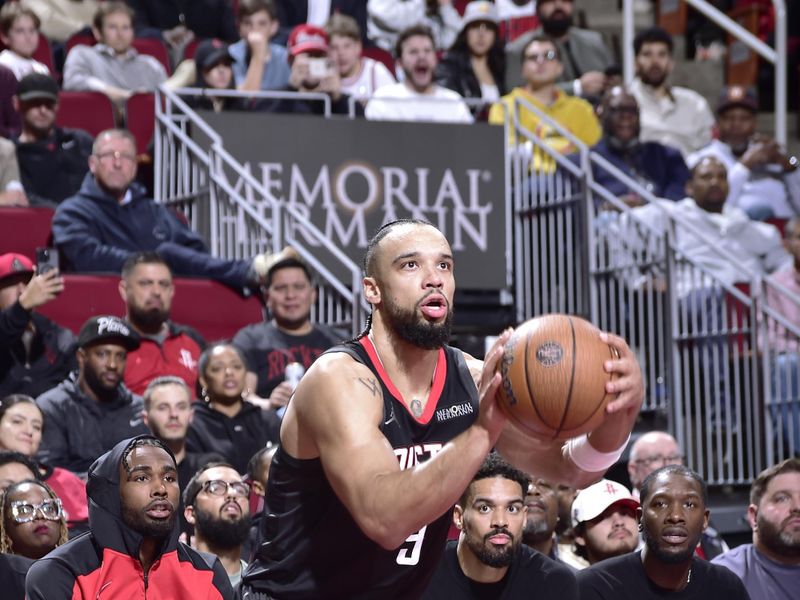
[
  {"x": 541, "y": 69},
  {"x": 217, "y": 502},
  {"x": 52, "y": 161},
  {"x": 111, "y": 218},
  {"x": 650, "y": 452}
]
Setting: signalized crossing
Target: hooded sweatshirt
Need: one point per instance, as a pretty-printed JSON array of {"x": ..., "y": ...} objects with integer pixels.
[{"x": 104, "y": 563}]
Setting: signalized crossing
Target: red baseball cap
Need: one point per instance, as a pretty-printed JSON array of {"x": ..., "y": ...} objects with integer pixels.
[
  {"x": 16, "y": 267},
  {"x": 307, "y": 38}
]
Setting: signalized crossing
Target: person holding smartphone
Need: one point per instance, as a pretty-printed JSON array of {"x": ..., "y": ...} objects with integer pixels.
[{"x": 35, "y": 353}]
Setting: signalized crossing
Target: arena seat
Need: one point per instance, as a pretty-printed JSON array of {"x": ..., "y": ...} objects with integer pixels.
[
  {"x": 140, "y": 118},
  {"x": 24, "y": 229},
  {"x": 90, "y": 111},
  {"x": 216, "y": 311}
]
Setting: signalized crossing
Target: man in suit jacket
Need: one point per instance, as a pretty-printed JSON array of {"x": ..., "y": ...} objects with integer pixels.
[{"x": 584, "y": 54}]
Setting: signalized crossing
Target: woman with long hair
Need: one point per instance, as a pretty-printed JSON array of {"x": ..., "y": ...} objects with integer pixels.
[
  {"x": 474, "y": 66},
  {"x": 32, "y": 520}
]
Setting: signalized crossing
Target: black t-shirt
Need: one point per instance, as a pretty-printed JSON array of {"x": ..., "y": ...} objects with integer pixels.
[
  {"x": 531, "y": 575},
  {"x": 12, "y": 576},
  {"x": 312, "y": 546},
  {"x": 623, "y": 577},
  {"x": 268, "y": 350}
]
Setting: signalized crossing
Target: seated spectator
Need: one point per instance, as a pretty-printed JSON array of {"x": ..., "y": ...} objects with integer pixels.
[
  {"x": 387, "y": 19},
  {"x": 53, "y": 161},
  {"x": 289, "y": 336},
  {"x": 769, "y": 567},
  {"x": 15, "y": 467},
  {"x": 111, "y": 218},
  {"x": 13, "y": 570},
  {"x": 584, "y": 54},
  {"x": 224, "y": 422},
  {"x": 92, "y": 410},
  {"x": 33, "y": 521},
  {"x": 417, "y": 97},
  {"x": 11, "y": 191},
  {"x": 211, "y": 70},
  {"x": 19, "y": 32},
  {"x": 216, "y": 503},
  {"x": 258, "y": 63},
  {"x": 112, "y": 66},
  {"x": 360, "y": 75},
  {"x": 541, "y": 518},
  {"x": 133, "y": 490},
  {"x": 672, "y": 115},
  {"x": 9, "y": 119},
  {"x": 672, "y": 517},
  {"x": 36, "y": 354},
  {"x": 541, "y": 69},
  {"x": 474, "y": 66},
  {"x": 166, "y": 348},
  {"x": 21, "y": 424},
  {"x": 489, "y": 558},
  {"x": 258, "y": 468},
  {"x": 604, "y": 521},
  {"x": 292, "y": 13},
  {"x": 178, "y": 22},
  {"x": 516, "y": 18},
  {"x": 764, "y": 180},
  {"x": 63, "y": 18},
  {"x": 657, "y": 168}
]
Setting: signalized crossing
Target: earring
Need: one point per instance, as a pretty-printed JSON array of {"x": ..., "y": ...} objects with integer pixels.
[
  {"x": 204, "y": 394},
  {"x": 640, "y": 527}
]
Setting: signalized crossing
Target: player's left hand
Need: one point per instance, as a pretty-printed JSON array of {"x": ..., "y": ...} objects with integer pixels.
[{"x": 629, "y": 384}]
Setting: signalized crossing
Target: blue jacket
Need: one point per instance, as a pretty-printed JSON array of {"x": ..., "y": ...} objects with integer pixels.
[{"x": 95, "y": 233}]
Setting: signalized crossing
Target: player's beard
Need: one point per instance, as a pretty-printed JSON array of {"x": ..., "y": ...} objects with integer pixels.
[
  {"x": 536, "y": 530},
  {"x": 778, "y": 539},
  {"x": 489, "y": 556},
  {"x": 654, "y": 78},
  {"x": 416, "y": 330},
  {"x": 672, "y": 558}
]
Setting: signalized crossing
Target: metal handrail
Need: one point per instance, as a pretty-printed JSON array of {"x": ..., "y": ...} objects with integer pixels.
[{"x": 776, "y": 56}]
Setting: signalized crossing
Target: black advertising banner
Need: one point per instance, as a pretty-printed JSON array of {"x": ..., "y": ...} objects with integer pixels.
[{"x": 349, "y": 177}]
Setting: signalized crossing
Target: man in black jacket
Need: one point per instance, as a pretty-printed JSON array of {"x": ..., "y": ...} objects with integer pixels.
[
  {"x": 35, "y": 353},
  {"x": 133, "y": 549},
  {"x": 52, "y": 160},
  {"x": 92, "y": 409}
]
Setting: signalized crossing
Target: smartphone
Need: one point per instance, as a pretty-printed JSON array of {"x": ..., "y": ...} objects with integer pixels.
[
  {"x": 46, "y": 260},
  {"x": 318, "y": 68}
]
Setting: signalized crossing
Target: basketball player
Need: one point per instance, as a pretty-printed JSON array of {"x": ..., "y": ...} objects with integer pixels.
[{"x": 384, "y": 434}]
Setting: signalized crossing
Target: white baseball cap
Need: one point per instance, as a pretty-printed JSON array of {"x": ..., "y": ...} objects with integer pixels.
[
  {"x": 479, "y": 11},
  {"x": 595, "y": 499}
]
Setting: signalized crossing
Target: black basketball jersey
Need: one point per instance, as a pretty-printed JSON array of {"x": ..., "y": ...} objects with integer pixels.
[{"x": 314, "y": 548}]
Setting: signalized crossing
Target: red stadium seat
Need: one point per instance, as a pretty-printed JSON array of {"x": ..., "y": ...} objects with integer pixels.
[
  {"x": 90, "y": 111},
  {"x": 380, "y": 55},
  {"x": 78, "y": 39},
  {"x": 140, "y": 117},
  {"x": 23, "y": 230},
  {"x": 156, "y": 49},
  {"x": 191, "y": 48}
]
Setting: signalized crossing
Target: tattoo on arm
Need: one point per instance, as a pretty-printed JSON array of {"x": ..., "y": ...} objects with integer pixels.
[{"x": 371, "y": 385}]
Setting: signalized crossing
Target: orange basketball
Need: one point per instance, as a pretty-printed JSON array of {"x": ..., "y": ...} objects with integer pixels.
[{"x": 553, "y": 379}]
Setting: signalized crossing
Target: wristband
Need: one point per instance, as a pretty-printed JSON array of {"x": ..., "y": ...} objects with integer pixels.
[{"x": 586, "y": 458}]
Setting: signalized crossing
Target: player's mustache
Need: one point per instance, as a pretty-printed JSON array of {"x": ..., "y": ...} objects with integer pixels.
[{"x": 499, "y": 531}]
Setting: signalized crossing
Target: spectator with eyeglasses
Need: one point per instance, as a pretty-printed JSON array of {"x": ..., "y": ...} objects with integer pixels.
[
  {"x": 32, "y": 521},
  {"x": 217, "y": 502}
]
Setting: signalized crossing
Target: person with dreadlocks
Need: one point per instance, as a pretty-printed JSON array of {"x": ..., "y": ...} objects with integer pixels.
[
  {"x": 385, "y": 432},
  {"x": 32, "y": 521},
  {"x": 132, "y": 550}
]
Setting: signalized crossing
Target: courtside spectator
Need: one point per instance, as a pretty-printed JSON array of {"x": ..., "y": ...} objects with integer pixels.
[
  {"x": 258, "y": 468},
  {"x": 36, "y": 354},
  {"x": 133, "y": 545},
  {"x": 673, "y": 115},
  {"x": 21, "y": 425},
  {"x": 289, "y": 336},
  {"x": 541, "y": 505},
  {"x": 584, "y": 54},
  {"x": 541, "y": 68},
  {"x": 19, "y": 31},
  {"x": 211, "y": 70},
  {"x": 15, "y": 467},
  {"x": 489, "y": 558},
  {"x": 179, "y": 22},
  {"x": 387, "y": 19},
  {"x": 360, "y": 75},
  {"x": 32, "y": 520},
  {"x": 224, "y": 422},
  {"x": 92, "y": 410},
  {"x": 474, "y": 66},
  {"x": 672, "y": 517},
  {"x": 770, "y": 566},
  {"x": 258, "y": 63},
  {"x": 11, "y": 190},
  {"x": 111, "y": 218},
  {"x": 112, "y": 66},
  {"x": 166, "y": 348},
  {"x": 216, "y": 503},
  {"x": 292, "y": 13},
  {"x": 764, "y": 180},
  {"x": 52, "y": 161},
  {"x": 604, "y": 521},
  {"x": 659, "y": 169},
  {"x": 63, "y": 18},
  {"x": 417, "y": 97}
]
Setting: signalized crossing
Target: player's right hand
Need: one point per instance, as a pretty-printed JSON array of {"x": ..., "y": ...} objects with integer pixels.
[{"x": 491, "y": 417}]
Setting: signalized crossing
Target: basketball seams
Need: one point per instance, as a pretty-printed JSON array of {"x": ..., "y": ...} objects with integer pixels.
[
  {"x": 528, "y": 382},
  {"x": 574, "y": 360},
  {"x": 613, "y": 354}
]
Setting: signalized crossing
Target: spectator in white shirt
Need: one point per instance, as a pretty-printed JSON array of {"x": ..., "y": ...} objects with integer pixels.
[
  {"x": 417, "y": 98},
  {"x": 19, "y": 31},
  {"x": 387, "y": 19}
]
